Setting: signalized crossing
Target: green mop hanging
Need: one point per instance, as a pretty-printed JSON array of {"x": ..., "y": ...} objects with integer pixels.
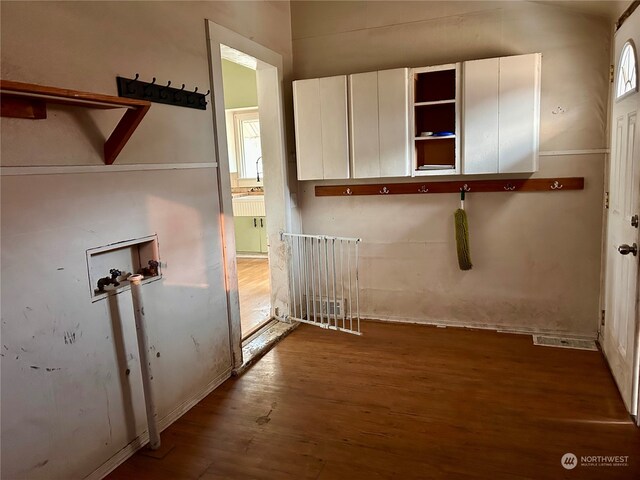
[{"x": 462, "y": 235}]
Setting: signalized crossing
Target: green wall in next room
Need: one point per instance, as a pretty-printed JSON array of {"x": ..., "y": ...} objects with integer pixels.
[{"x": 240, "y": 88}]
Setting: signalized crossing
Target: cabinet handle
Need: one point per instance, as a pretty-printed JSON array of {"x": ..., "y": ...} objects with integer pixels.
[
  {"x": 261, "y": 223},
  {"x": 255, "y": 223}
]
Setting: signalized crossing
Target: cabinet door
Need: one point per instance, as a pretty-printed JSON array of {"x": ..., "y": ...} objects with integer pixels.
[
  {"x": 335, "y": 134},
  {"x": 247, "y": 234},
  {"x": 365, "y": 147},
  {"x": 519, "y": 106},
  {"x": 393, "y": 122},
  {"x": 262, "y": 228},
  {"x": 480, "y": 150},
  {"x": 308, "y": 125}
]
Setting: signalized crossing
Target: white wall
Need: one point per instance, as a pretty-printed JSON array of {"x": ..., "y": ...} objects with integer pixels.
[
  {"x": 67, "y": 407},
  {"x": 536, "y": 256}
]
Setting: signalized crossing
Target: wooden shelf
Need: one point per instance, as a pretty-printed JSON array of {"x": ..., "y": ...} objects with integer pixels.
[
  {"x": 428, "y": 168},
  {"x": 435, "y": 137},
  {"x": 437, "y": 102},
  {"x": 506, "y": 185},
  {"x": 28, "y": 100}
]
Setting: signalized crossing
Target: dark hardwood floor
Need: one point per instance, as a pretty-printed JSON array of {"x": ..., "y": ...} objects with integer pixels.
[{"x": 403, "y": 402}]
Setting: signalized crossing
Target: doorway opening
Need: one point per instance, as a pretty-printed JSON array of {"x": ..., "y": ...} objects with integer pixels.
[
  {"x": 258, "y": 147},
  {"x": 246, "y": 176}
]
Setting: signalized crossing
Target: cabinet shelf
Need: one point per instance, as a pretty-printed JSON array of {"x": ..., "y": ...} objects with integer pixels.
[
  {"x": 437, "y": 102},
  {"x": 435, "y": 137},
  {"x": 29, "y": 101}
]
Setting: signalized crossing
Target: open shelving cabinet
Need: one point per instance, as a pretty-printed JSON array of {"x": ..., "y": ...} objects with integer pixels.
[
  {"x": 28, "y": 100},
  {"x": 435, "y": 112}
]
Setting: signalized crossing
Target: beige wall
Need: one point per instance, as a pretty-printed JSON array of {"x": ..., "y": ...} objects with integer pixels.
[
  {"x": 536, "y": 256},
  {"x": 78, "y": 408}
]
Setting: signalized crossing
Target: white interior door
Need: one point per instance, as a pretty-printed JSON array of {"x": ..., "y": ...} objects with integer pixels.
[{"x": 619, "y": 337}]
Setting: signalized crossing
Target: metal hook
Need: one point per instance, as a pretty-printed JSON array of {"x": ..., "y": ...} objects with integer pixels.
[
  {"x": 190, "y": 99},
  {"x": 509, "y": 187},
  {"x": 203, "y": 102},
  {"x": 178, "y": 95},
  {"x": 556, "y": 185},
  {"x": 163, "y": 92},
  {"x": 149, "y": 86},
  {"x": 348, "y": 191},
  {"x": 384, "y": 191},
  {"x": 423, "y": 189},
  {"x": 129, "y": 82},
  {"x": 466, "y": 188}
]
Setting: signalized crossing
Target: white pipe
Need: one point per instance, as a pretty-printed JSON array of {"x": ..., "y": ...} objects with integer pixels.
[{"x": 145, "y": 365}]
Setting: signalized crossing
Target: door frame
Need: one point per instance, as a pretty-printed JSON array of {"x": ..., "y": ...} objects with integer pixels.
[
  {"x": 269, "y": 77},
  {"x": 635, "y": 362}
]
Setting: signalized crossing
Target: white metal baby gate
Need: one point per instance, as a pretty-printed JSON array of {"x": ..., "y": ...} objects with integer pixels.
[{"x": 323, "y": 281}]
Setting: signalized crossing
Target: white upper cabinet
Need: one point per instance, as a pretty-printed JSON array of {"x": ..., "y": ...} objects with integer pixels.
[
  {"x": 519, "y": 119},
  {"x": 501, "y": 114},
  {"x": 480, "y": 124},
  {"x": 322, "y": 140},
  {"x": 379, "y": 123},
  {"x": 478, "y": 117}
]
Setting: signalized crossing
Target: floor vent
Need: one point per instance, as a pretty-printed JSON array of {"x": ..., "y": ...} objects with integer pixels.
[{"x": 564, "y": 342}]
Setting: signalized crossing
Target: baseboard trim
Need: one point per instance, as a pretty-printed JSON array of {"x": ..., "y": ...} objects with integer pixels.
[
  {"x": 481, "y": 326},
  {"x": 121, "y": 456}
]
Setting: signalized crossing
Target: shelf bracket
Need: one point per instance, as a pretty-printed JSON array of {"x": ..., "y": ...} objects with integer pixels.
[{"x": 29, "y": 101}]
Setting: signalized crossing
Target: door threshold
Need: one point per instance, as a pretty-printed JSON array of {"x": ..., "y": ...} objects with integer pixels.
[
  {"x": 263, "y": 340},
  {"x": 256, "y": 329}
]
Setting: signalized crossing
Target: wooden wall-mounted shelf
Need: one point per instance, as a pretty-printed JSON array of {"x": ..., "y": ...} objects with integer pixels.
[
  {"x": 558, "y": 184},
  {"x": 27, "y": 100}
]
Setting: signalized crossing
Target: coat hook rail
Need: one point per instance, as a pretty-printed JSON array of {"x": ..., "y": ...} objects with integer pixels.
[
  {"x": 508, "y": 185},
  {"x": 161, "y": 93}
]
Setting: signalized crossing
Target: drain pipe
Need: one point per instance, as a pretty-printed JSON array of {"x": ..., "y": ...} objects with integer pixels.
[{"x": 145, "y": 365}]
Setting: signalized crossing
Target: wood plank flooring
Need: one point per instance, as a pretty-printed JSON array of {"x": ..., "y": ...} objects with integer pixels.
[
  {"x": 403, "y": 402},
  {"x": 255, "y": 291}
]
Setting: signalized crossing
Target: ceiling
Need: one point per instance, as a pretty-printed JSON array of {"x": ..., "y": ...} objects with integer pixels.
[
  {"x": 236, "y": 56},
  {"x": 611, "y": 9}
]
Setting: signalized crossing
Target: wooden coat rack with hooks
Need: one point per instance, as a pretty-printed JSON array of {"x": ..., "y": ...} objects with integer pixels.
[{"x": 557, "y": 184}]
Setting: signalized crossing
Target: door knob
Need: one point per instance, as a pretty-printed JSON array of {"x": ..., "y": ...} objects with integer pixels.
[{"x": 625, "y": 249}]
